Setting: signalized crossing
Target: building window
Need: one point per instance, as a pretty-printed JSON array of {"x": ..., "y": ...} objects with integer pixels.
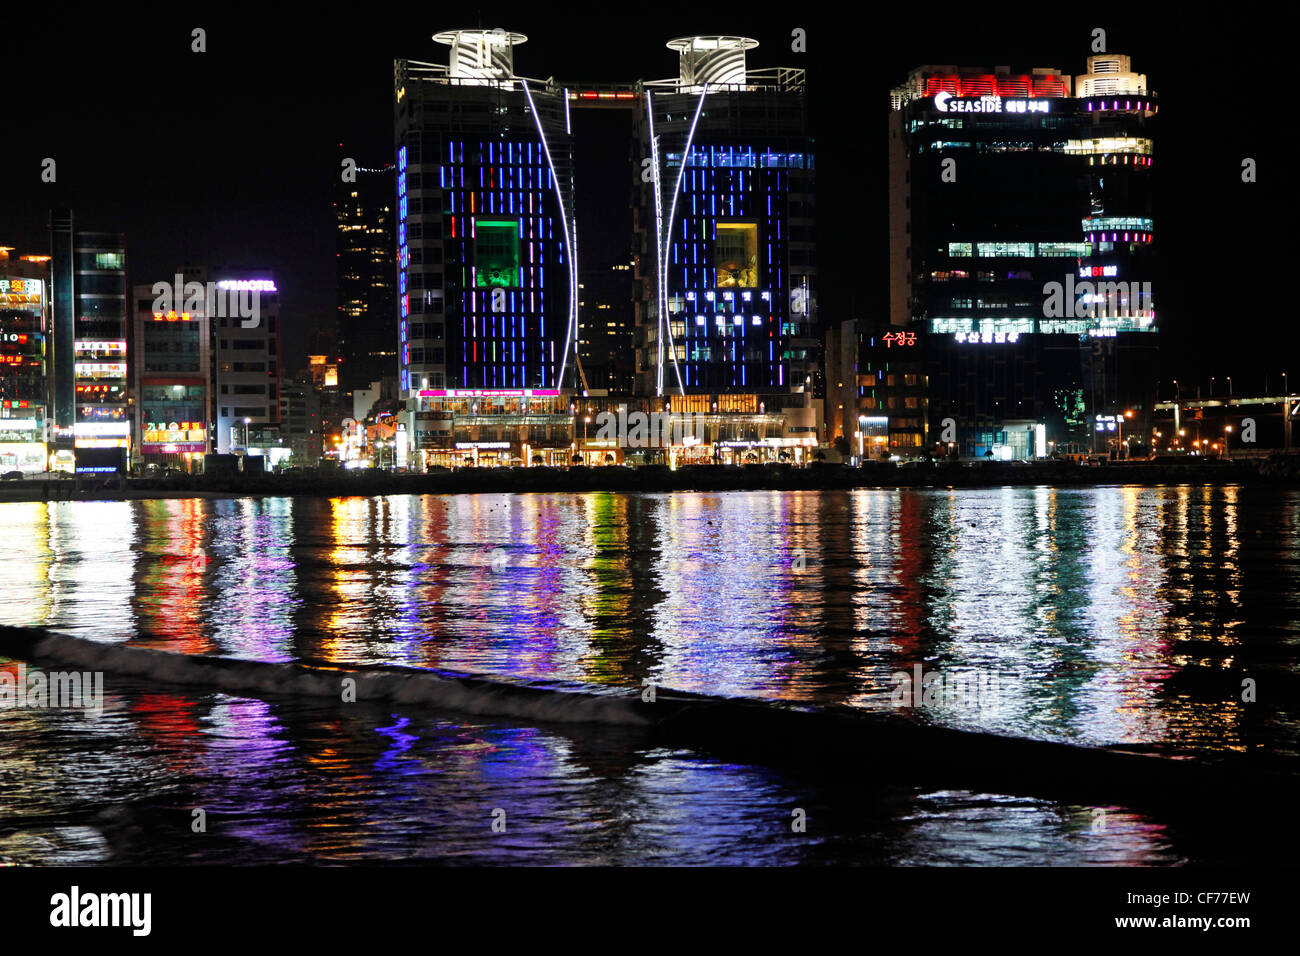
[
  {"x": 496, "y": 253},
  {"x": 735, "y": 255}
]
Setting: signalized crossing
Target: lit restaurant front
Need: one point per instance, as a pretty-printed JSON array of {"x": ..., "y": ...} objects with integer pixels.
[{"x": 468, "y": 427}]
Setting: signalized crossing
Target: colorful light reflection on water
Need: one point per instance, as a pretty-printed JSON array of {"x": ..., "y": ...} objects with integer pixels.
[{"x": 1116, "y": 610}]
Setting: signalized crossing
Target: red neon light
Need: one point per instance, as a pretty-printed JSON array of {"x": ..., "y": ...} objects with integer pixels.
[{"x": 995, "y": 84}]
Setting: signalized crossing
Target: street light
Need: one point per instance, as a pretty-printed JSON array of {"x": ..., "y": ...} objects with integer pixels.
[{"x": 1119, "y": 438}]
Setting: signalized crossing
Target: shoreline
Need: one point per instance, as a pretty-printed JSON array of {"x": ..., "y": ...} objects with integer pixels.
[{"x": 820, "y": 477}]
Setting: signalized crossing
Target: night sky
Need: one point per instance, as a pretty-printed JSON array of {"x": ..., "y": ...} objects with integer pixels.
[{"x": 229, "y": 157}]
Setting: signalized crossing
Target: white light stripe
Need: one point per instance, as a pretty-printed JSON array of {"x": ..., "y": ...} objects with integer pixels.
[
  {"x": 564, "y": 222},
  {"x": 672, "y": 212},
  {"x": 659, "y": 242}
]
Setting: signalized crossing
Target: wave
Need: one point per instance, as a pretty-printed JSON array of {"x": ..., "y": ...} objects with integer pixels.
[{"x": 550, "y": 701}]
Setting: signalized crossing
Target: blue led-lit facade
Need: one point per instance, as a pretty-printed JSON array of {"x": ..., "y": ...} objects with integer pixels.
[
  {"x": 506, "y": 343},
  {"x": 737, "y": 256},
  {"x": 733, "y": 324},
  {"x": 485, "y": 287}
]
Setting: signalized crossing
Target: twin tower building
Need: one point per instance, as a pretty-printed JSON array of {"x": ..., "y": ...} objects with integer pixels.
[{"x": 490, "y": 255}]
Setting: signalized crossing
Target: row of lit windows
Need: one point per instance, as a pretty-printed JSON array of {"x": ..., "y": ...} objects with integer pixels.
[{"x": 1019, "y": 250}]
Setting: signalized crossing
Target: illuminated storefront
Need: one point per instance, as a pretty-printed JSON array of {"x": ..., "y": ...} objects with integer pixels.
[
  {"x": 22, "y": 445},
  {"x": 482, "y": 427},
  {"x": 700, "y": 429},
  {"x": 173, "y": 443}
]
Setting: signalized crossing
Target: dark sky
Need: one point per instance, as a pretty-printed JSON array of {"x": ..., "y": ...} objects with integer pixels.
[{"x": 229, "y": 156}]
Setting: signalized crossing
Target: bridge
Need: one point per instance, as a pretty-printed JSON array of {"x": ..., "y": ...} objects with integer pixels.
[{"x": 1288, "y": 407}]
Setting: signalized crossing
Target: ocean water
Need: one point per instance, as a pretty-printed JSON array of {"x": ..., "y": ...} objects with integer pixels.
[{"x": 1115, "y": 615}]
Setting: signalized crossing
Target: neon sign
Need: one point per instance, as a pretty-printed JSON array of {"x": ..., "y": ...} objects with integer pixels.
[
  {"x": 188, "y": 433},
  {"x": 250, "y": 285},
  {"x": 490, "y": 393},
  {"x": 945, "y": 102},
  {"x": 898, "y": 338}
]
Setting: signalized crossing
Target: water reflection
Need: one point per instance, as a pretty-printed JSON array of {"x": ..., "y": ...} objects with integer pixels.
[
  {"x": 1114, "y": 612},
  {"x": 1118, "y": 614}
]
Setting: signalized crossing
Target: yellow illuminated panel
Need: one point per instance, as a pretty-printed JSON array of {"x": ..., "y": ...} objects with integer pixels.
[{"x": 735, "y": 255}]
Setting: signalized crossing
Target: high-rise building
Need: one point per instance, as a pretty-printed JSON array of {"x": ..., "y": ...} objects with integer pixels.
[
  {"x": 487, "y": 281},
  {"x": 367, "y": 336},
  {"x": 24, "y": 330},
  {"x": 486, "y": 289},
  {"x": 1021, "y": 240},
  {"x": 725, "y": 223},
  {"x": 89, "y": 366}
]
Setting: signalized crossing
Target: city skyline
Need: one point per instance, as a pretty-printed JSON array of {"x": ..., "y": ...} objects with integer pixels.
[{"x": 293, "y": 214}]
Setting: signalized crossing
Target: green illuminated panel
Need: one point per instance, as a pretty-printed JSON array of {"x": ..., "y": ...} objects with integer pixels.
[{"x": 496, "y": 253}]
